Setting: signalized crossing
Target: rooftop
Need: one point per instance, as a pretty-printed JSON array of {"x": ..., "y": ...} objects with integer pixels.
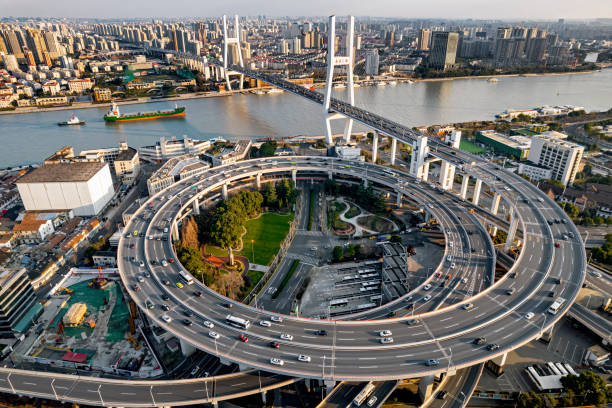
[{"x": 62, "y": 172}]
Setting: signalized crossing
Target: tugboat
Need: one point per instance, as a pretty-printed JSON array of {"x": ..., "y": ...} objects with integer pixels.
[{"x": 73, "y": 121}]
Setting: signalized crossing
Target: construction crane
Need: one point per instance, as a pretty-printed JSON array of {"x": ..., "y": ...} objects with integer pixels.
[{"x": 99, "y": 282}]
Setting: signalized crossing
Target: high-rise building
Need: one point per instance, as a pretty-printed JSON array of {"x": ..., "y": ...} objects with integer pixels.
[
  {"x": 295, "y": 46},
  {"x": 52, "y": 45},
  {"x": 558, "y": 155},
  {"x": 36, "y": 44},
  {"x": 372, "y": 62},
  {"x": 390, "y": 39},
  {"x": 443, "y": 49},
  {"x": 17, "y": 298},
  {"x": 424, "y": 39},
  {"x": 3, "y": 49},
  {"x": 13, "y": 45},
  {"x": 233, "y": 58},
  {"x": 10, "y": 62},
  {"x": 283, "y": 47}
]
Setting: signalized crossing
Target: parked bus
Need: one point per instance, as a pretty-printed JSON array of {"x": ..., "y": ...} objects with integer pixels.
[
  {"x": 186, "y": 277},
  {"x": 363, "y": 394},
  {"x": 238, "y": 322},
  {"x": 554, "y": 308}
]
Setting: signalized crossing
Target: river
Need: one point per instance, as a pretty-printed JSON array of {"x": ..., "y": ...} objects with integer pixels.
[{"x": 29, "y": 138}]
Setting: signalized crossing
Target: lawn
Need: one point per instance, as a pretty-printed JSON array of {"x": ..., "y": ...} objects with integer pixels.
[
  {"x": 268, "y": 231},
  {"x": 375, "y": 223},
  {"x": 352, "y": 212},
  {"x": 471, "y": 147}
]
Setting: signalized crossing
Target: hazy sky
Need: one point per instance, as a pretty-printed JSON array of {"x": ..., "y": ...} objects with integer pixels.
[{"x": 502, "y": 9}]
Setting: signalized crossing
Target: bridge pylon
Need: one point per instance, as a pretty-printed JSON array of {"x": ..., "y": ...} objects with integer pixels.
[
  {"x": 333, "y": 61},
  {"x": 227, "y": 40}
]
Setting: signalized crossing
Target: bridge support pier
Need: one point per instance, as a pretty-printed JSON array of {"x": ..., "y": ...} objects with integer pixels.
[
  {"x": 333, "y": 61},
  {"x": 175, "y": 232},
  {"x": 196, "y": 206},
  {"x": 393, "y": 150},
  {"x": 263, "y": 397},
  {"x": 447, "y": 175},
  {"x": 330, "y": 175},
  {"x": 477, "y": 188},
  {"x": 294, "y": 176},
  {"x": 329, "y": 385},
  {"x": 418, "y": 166},
  {"x": 258, "y": 180},
  {"x": 497, "y": 364},
  {"x": 398, "y": 203},
  {"x": 375, "y": 147},
  {"x": 187, "y": 348},
  {"x": 494, "y": 208},
  {"x": 464, "y": 186},
  {"x": 426, "y": 387},
  {"x": 224, "y": 361},
  {"x": 511, "y": 231},
  {"x": 224, "y": 191}
]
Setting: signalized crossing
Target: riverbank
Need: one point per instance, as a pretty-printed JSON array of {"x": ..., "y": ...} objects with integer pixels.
[
  {"x": 535, "y": 74},
  {"x": 89, "y": 105}
]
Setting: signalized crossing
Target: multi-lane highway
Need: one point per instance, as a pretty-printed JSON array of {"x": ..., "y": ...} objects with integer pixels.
[{"x": 352, "y": 349}]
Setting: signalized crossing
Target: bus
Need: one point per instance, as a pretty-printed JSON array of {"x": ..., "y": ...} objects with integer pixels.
[
  {"x": 363, "y": 394},
  {"x": 186, "y": 277},
  {"x": 238, "y": 322},
  {"x": 554, "y": 308}
]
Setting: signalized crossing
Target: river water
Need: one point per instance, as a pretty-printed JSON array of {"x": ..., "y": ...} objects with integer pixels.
[{"x": 29, "y": 138}]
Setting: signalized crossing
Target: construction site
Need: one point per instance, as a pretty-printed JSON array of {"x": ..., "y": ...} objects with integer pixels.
[{"x": 88, "y": 324}]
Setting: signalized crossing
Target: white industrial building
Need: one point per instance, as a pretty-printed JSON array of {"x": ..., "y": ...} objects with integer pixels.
[
  {"x": 166, "y": 149},
  {"x": 560, "y": 156},
  {"x": 84, "y": 187}
]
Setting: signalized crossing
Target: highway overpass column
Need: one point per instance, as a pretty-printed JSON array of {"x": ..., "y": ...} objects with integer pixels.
[
  {"x": 497, "y": 364},
  {"x": 375, "y": 147},
  {"x": 294, "y": 176},
  {"x": 447, "y": 175},
  {"x": 399, "y": 200},
  {"x": 187, "y": 348},
  {"x": 464, "y": 186},
  {"x": 263, "y": 397},
  {"x": 418, "y": 168},
  {"x": 175, "y": 232},
  {"x": 196, "y": 206},
  {"x": 511, "y": 231},
  {"x": 329, "y": 386},
  {"x": 494, "y": 208},
  {"x": 393, "y": 149},
  {"x": 224, "y": 191},
  {"x": 258, "y": 180},
  {"x": 477, "y": 188}
]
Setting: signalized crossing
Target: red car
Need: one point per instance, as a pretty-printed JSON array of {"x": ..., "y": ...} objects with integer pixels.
[
  {"x": 274, "y": 344},
  {"x": 557, "y": 245},
  {"x": 171, "y": 260},
  {"x": 132, "y": 246},
  {"x": 243, "y": 338},
  {"x": 438, "y": 275}
]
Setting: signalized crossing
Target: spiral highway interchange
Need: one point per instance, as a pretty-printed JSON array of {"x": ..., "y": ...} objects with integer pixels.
[{"x": 352, "y": 350}]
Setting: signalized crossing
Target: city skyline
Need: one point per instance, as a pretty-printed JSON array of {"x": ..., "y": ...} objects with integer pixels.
[{"x": 440, "y": 9}]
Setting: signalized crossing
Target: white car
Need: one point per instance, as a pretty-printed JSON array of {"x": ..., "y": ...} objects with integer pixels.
[
  {"x": 276, "y": 319},
  {"x": 426, "y": 298},
  {"x": 214, "y": 335},
  {"x": 208, "y": 324},
  {"x": 452, "y": 266},
  {"x": 427, "y": 287},
  {"x": 164, "y": 263},
  {"x": 464, "y": 280},
  {"x": 303, "y": 358},
  {"x": 166, "y": 318},
  {"x": 265, "y": 323},
  {"x": 141, "y": 264},
  {"x": 529, "y": 316},
  {"x": 448, "y": 258},
  {"x": 386, "y": 340},
  {"x": 450, "y": 244},
  {"x": 277, "y": 361},
  {"x": 286, "y": 336},
  {"x": 385, "y": 333},
  {"x": 140, "y": 278}
]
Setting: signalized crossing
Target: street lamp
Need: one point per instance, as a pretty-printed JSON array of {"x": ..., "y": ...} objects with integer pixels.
[{"x": 253, "y": 249}]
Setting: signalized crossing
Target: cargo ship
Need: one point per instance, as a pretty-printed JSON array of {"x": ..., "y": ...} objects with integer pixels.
[{"x": 114, "y": 115}]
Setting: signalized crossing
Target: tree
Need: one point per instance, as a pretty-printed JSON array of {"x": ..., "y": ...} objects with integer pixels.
[
  {"x": 226, "y": 230},
  {"x": 350, "y": 251},
  {"x": 395, "y": 238},
  {"x": 269, "y": 195},
  {"x": 338, "y": 253},
  {"x": 570, "y": 209},
  {"x": 589, "y": 385}
]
